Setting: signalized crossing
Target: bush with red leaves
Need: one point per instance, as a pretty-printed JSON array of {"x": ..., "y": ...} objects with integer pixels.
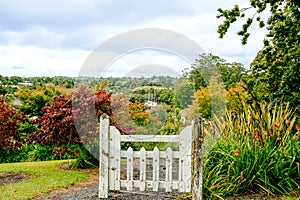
[
  {"x": 10, "y": 121},
  {"x": 65, "y": 119},
  {"x": 57, "y": 123}
]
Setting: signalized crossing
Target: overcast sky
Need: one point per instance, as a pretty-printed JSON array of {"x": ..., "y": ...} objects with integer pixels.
[{"x": 54, "y": 38}]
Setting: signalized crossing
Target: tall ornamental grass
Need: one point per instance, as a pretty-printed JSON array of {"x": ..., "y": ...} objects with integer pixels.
[{"x": 258, "y": 151}]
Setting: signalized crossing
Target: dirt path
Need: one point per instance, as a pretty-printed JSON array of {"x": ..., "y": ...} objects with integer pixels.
[
  {"x": 88, "y": 190},
  {"x": 12, "y": 177}
]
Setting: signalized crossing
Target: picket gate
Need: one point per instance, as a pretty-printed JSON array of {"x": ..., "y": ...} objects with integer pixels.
[{"x": 111, "y": 155}]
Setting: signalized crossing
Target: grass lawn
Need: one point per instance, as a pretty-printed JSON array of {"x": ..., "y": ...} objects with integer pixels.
[{"x": 43, "y": 177}]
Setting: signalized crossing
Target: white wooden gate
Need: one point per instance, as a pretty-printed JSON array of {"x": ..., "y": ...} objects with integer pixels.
[{"x": 111, "y": 155}]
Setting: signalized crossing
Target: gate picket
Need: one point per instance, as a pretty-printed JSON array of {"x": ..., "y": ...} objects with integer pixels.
[
  {"x": 169, "y": 162},
  {"x": 155, "y": 169},
  {"x": 129, "y": 168},
  {"x": 143, "y": 164}
]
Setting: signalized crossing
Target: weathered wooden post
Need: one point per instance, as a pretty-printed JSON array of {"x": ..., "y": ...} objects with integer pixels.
[
  {"x": 197, "y": 170},
  {"x": 104, "y": 156}
]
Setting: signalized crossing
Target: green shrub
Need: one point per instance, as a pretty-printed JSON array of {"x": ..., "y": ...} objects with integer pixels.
[
  {"x": 11, "y": 156},
  {"x": 84, "y": 160},
  {"x": 38, "y": 152}
]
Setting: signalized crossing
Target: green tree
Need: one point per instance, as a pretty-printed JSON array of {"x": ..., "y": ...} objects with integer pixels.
[
  {"x": 3, "y": 90},
  {"x": 208, "y": 65},
  {"x": 183, "y": 91},
  {"x": 15, "y": 80},
  {"x": 33, "y": 100},
  {"x": 203, "y": 68},
  {"x": 231, "y": 74},
  {"x": 275, "y": 70}
]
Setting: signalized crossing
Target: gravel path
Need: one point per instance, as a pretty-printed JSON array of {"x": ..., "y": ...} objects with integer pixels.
[{"x": 90, "y": 192}]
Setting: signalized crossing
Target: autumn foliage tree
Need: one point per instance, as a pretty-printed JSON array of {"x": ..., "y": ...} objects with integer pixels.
[
  {"x": 84, "y": 113},
  {"x": 128, "y": 116},
  {"x": 10, "y": 120},
  {"x": 138, "y": 113},
  {"x": 103, "y": 103},
  {"x": 57, "y": 123},
  {"x": 69, "y": 121},
  {"x": 201, "y": 104},
  {"x": 73, "y": 120},
  {"x": 235, "y": 97},
  {"x": 209, "y": 100},
  {"x": 65, "y": 117}
]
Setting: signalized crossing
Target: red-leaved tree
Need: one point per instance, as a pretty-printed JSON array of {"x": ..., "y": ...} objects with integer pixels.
[
  {"x": 74, "y": 120},
  {"x": 10, "y": 121},
  {"x": 57, "y": 123}
]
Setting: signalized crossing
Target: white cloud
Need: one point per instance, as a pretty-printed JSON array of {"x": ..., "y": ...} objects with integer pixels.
[
  {"x": 132, "y": 62},
  {"x": 42, "y": 38},
  {"x": 203, "y": 30},
  {"x": 35, "y": 61}
]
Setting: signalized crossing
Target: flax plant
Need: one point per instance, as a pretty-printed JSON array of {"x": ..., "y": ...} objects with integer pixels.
[{"x": 258, "y": 151}]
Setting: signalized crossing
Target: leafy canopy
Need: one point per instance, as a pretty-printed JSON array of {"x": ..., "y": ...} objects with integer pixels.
[{"x": 275, "y": 71}]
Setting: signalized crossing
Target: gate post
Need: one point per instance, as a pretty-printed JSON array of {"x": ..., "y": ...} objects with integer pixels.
[
  {"x": 197, "y": 169},
  {"x": 103, "y": 156}
]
